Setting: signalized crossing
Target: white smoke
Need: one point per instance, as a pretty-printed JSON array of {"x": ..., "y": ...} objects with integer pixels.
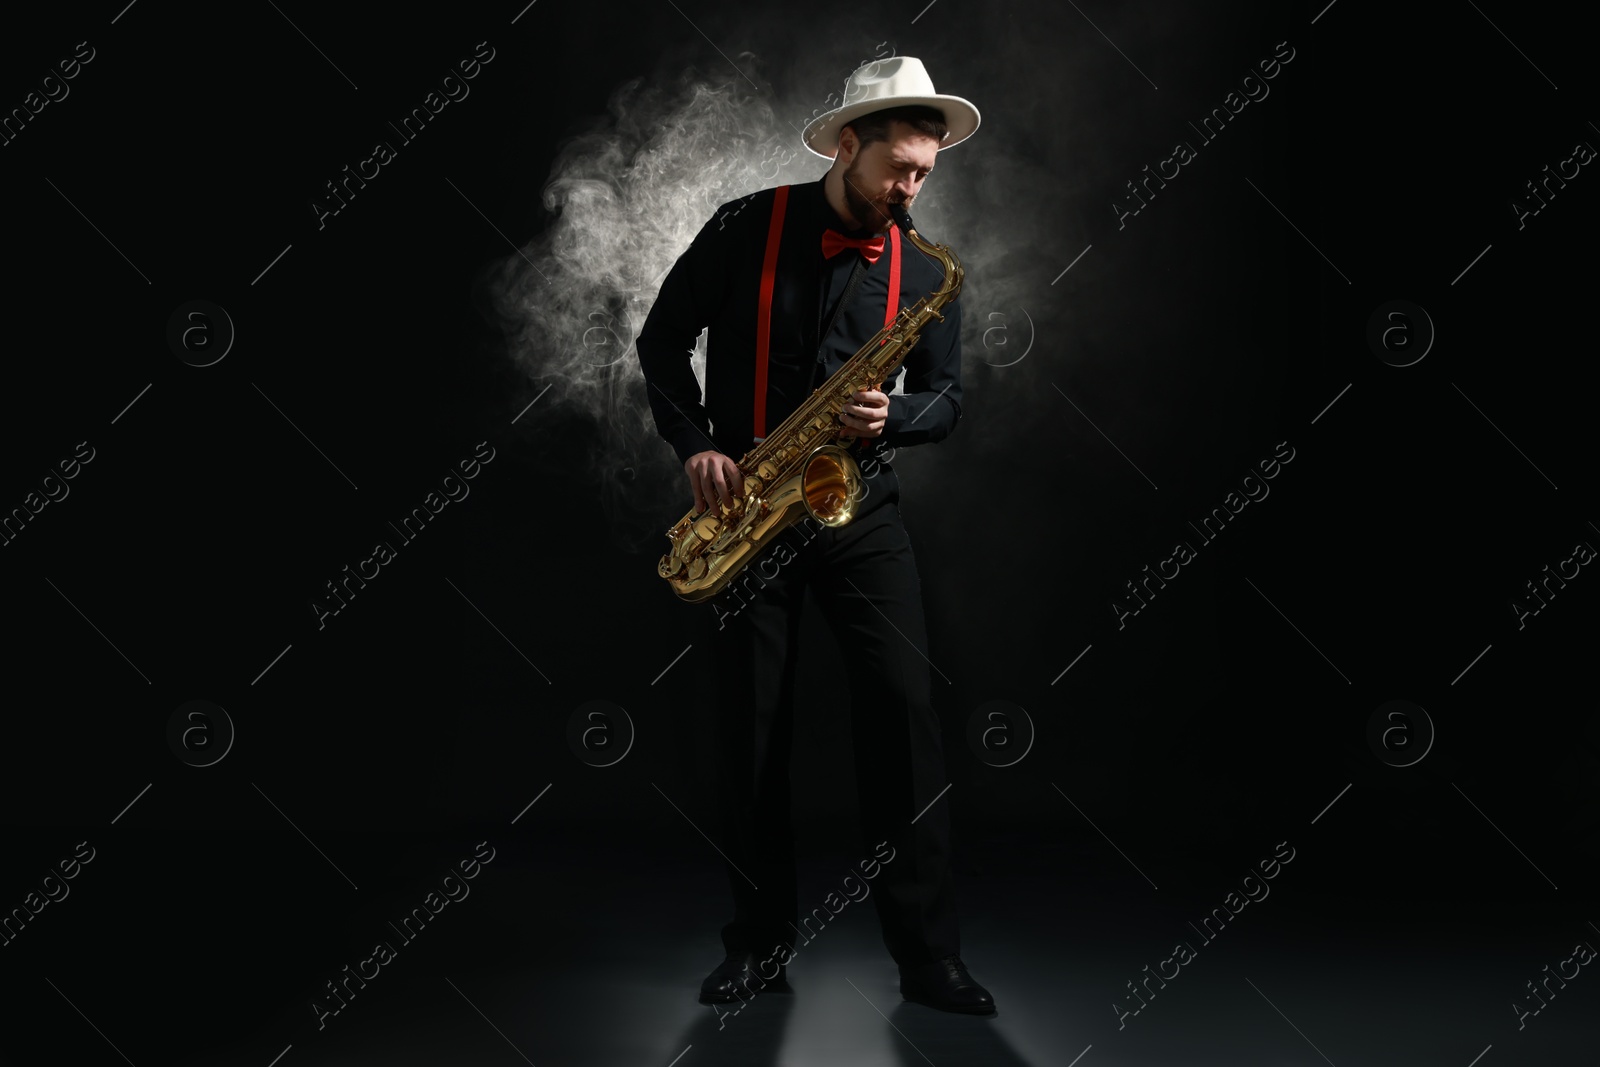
[{"x": 629, "y": 195}]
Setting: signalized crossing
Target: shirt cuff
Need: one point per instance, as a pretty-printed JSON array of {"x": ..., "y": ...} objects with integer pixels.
[{"x": 896, "y": 417}]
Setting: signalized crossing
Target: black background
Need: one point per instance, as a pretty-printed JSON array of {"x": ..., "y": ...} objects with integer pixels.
[{"x": 1219, "y": 721}]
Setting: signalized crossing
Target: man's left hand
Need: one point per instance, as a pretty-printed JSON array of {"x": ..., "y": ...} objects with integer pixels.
[{"x": 867, "y": 416}]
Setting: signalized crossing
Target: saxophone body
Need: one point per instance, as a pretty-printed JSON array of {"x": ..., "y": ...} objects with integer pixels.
[{"x": 799, "y": 468}]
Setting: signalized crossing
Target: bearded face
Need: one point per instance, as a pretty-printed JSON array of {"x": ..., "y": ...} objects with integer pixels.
[
  {"x": 887, "y": 172},
  {"x": 872, "y": 211}
]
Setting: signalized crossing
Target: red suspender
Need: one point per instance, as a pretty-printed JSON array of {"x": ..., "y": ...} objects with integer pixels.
[
  {"x": 892, "y": 306},
  {"x": 769, "y": 273}
]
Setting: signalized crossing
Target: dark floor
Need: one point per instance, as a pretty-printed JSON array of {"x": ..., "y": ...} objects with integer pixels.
[{"x": 582, "y": 948}]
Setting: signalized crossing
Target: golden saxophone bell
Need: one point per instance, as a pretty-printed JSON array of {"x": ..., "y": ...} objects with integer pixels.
[{"x": 832, "y": 485}]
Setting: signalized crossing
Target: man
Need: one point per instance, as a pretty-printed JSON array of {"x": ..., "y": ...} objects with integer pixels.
[{"x": 791, "y": 282}]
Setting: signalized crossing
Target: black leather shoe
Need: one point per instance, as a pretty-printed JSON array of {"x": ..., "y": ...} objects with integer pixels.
[
  {"x": 737, "y": 978},
  {"x": 946, "y": 985}
]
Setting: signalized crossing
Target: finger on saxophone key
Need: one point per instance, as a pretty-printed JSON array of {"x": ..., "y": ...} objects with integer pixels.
[
  {"x": 707, "y": 472},
  {"x": 730, "y": 481},
  {"x": 698, "y": 468}
]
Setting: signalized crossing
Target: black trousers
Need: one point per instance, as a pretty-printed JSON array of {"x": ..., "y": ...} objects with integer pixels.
[{"x": 865, "y": 581}]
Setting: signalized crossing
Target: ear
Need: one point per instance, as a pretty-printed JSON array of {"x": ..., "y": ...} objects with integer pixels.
[{"x": 848, "y": 144}]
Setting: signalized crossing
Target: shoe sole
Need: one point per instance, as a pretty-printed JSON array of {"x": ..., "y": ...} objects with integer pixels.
[
  {"x": 977, "y": 1009},
  {"x": 773, "y": 985}
]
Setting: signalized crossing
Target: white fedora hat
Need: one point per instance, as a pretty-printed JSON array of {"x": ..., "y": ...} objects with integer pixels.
[{"x": 897, "y": 81}]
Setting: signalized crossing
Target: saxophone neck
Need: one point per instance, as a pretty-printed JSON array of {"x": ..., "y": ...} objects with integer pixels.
[{"x": 946, "y": 258}]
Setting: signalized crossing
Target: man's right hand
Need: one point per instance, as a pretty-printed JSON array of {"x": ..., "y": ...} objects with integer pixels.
[{"x": 715, "y": 478}]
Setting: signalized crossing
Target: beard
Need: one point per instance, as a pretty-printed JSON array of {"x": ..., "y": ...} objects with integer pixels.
[{"x": 872, "y": 213}]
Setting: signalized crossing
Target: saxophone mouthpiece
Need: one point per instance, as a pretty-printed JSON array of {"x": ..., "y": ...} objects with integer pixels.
[{"x": 901, "y": 218}]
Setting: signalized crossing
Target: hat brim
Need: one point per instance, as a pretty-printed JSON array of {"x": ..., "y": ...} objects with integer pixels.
[{"x": 821, "y": 135}]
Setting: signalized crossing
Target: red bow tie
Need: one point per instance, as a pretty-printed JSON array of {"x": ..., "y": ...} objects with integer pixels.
[{"x": 834, "y": 242}]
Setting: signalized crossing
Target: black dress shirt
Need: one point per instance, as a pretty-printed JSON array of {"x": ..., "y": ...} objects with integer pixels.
[{"x": 715, "y": 285}]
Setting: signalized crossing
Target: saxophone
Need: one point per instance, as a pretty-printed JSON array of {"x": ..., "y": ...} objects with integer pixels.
[{"x": 798, "y": 468}]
